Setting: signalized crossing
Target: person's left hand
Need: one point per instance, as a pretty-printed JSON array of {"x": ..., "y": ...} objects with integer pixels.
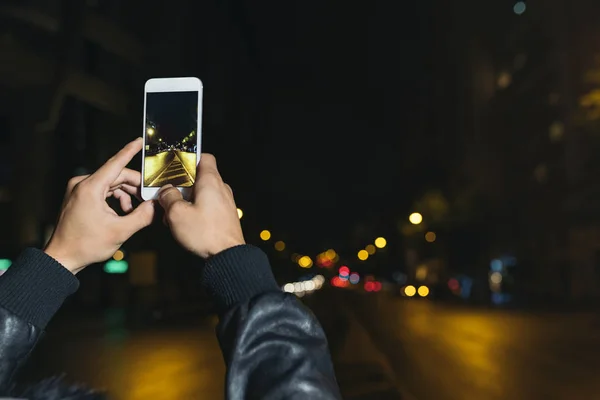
[{"x": 88, "y": 230}]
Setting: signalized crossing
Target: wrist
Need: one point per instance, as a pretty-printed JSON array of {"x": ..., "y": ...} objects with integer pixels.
[
  {"x": 225, "y": 246},
  {"x": 63, "y": 258}
]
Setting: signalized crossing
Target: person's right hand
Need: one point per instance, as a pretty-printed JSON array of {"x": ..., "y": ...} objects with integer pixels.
[{"x": 209, "y": 223}]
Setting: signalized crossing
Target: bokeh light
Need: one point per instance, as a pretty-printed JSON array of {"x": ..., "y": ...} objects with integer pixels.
[
  {"x": 415, "y": 218},
  {"x": 119, "y": 255},
  {"x": 305, "y": 262},
  {"x": 240, "y": 213},
  {"x": 265, "y": 235},
  {"x": 430, "y": 237},
  {"x": 380, "y": 242},
  {"x": 370, "y": 249},
  {"x": 423, "y": 291},
  {"x": 363, "y": 255},
  {"x": 519, "y": 7},
  {"x": 410, "y": 290},
  {"x": 496, "y": 277},
  {"x": 280, "y": 245},
  {"x": 289, "y": 288}
]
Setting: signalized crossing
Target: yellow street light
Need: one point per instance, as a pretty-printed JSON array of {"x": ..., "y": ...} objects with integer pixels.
[
  {"x": 265, "y": 235},
  {"x": 423, "y": 291},
  {"x": 370, "y": 249},
  {"x": 415, "y": 218},
  {"x": 150, "y": 131},
  {"x": 119, "y": 255},
  {"x": 410, "y": 290},
  {"x": 430, "y": 237},
  {"x": 280, "y": 245},
  {"x": 305, "y": 262},
  {"x": 330, "y": 254},
  {"x": 380, "y": 242},
  {"x": 363, "y": 255},
  {"x": 240, "y": 213}
]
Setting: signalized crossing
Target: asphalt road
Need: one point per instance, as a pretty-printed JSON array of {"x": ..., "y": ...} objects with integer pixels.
[
  {"x": 168, "y": 360},
  {"x": 427, "y": 350},
  {"x": 174, "y": 167},
  {"x": 179, "y": 357},
  {"x": 446, "y": 352}
]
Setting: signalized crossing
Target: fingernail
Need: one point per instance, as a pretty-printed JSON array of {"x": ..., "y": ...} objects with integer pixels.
[{"x": 164, "y": 188}]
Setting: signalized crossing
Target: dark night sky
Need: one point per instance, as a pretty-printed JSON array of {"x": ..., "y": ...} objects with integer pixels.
[
  {"x": 174, "y": 114},
  {"x": 315, "y": 110}
]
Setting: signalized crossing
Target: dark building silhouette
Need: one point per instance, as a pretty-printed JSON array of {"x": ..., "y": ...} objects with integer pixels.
[{"x": 525, "y": 137}]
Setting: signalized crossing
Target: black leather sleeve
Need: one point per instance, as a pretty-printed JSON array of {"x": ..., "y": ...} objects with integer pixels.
[
  {"x": 31, "y": 292},
  {"x": 17, "y": 340},
  {"x": 275, "y": 348}
]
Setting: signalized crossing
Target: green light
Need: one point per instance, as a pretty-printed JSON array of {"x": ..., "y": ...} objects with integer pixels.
[
  {"x": 4, "y": 264},
  {"x": 116, "y": 267}
]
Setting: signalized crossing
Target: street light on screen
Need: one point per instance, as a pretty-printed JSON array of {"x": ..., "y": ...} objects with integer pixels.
[{"x": 150, "y": 131}]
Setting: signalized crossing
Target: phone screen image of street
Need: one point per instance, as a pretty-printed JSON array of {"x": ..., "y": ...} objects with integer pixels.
[{"x": 170, "y": 139}]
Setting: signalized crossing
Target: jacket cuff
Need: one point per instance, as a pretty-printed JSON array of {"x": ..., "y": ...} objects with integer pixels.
[
  {"x": 236, "y": 275},
  {"x": 35, "y": 286}
]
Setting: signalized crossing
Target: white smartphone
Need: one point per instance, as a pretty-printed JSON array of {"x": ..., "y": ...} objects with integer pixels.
[{"x": 172, "y": 134}]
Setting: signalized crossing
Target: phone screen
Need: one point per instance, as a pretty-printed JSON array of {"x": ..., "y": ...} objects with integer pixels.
[{"x": 170, "y": 139}]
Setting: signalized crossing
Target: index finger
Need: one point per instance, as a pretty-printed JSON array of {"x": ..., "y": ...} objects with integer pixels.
[{"x": 111, "y": 170}]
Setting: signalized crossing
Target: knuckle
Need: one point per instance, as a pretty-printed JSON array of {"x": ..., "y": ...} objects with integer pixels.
[
  {"x": 212, "y": 178},
  {"x": 73, "y": 182},
  {"x": 76, "y": 182},
  {"x": 209, "y": 157}
]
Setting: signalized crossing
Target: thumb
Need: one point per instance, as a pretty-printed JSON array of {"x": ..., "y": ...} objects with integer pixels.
[
  {"x": 168, "y": 196},
  {"x": 139, "y": 218}
]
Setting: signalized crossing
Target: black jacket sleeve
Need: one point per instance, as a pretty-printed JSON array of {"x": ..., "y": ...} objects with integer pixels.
[
  {"x": 31, "y": 292},
  {"x": 273, "y": 346}
]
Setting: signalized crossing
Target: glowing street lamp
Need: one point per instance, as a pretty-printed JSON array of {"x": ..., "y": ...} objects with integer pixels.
[
  {"x": 415, "y": 218},
  {"x": 150, "y": 131},
  {"x": 363, "y": 255},
  {"x": 265, "y": 235},
  {"x": 305, "y": 262},
  {"x": 380, "y": 242}
]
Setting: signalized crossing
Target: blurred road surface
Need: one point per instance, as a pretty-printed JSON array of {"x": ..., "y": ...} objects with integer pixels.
[
  {"x": 167, "y": 361},
  {"x": 179, "y": 357},
  {"x": 441, "y": 352},
  {"x": 174, "y": 167}
]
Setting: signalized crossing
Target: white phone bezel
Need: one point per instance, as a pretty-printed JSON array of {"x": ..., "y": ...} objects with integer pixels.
[{"x": 158, "y": 85}]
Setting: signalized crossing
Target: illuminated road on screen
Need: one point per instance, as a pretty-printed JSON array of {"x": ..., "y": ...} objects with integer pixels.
[{"x": 174, "y": 167}]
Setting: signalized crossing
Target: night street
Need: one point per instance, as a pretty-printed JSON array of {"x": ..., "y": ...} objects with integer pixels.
[
  {"x": 422, "y": 349},
  {"x": 165, "y": 360},
  {"x": 446, "y": 352},
  {"x": 179, "y": 357},
  {"x": 174, "y": 167}
]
